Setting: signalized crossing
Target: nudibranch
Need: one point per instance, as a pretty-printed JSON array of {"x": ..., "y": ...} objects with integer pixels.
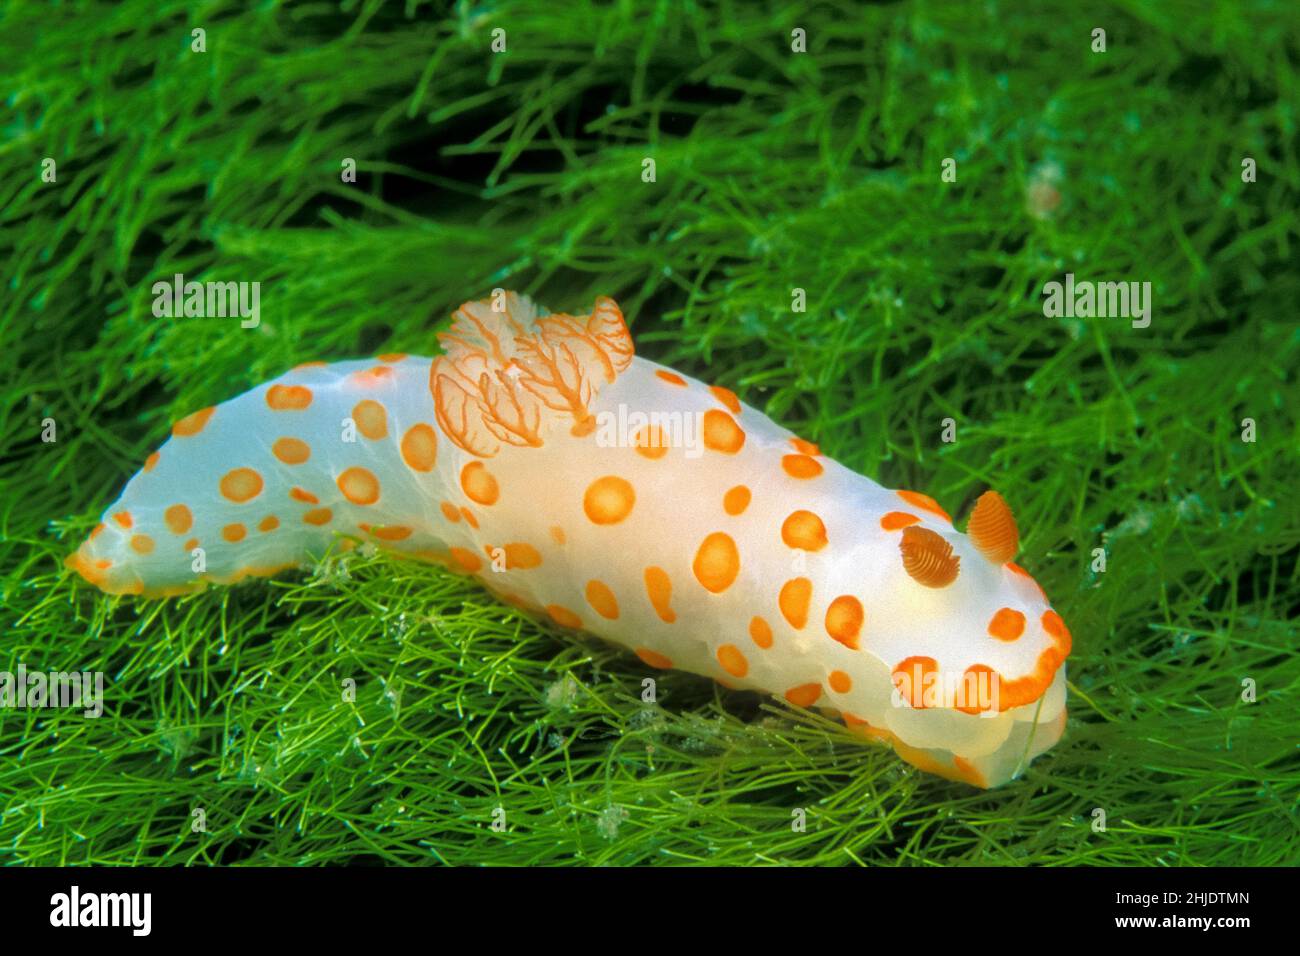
[{"x": 620, "y": 497}]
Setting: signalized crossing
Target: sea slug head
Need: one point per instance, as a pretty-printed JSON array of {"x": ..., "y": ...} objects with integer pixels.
[{"x": 985, "y": 637}]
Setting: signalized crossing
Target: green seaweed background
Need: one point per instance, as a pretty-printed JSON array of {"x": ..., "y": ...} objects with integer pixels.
[{"x": 775, "y": 170}]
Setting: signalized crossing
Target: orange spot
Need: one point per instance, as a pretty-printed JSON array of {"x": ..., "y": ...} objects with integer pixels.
[
  {"x": 840, "y": 682},
  {"x": 1007, "y": 624},
  {"x": 924, "y": 502},
  {"x": 761, "y": 632},
  {"x": 1017, "y": 569},
  {"x": 897, "y": 520},
  {"x": 191, "y": 544},
  {"x": 359, "y": 486},
  {"x": 469, "y": 518},
  {"x": 672, "y": 378},
  {"x": 192, "y": 424},
  {"x": 301, "y": 494},
  {"x": 291, "y": 451},
  {"x": 732, "y": 660},
  {"x": 391, "y": 356},
  {"x": 805, "y": 447},
  {"x": 178, "y": 519},
  {"x": 844, "y": 620},
  {"x": 265, "y": 571},
  {"x": 916, "y": 678},
  {"x": 520, "y": 556},
  {"x": 420, "y": 447},
  {"x": 563, "y": 616},
  {"x": 141, "y": 543},
  {"x": 103, "y": 564},
  {"x": 392, "y": 532},
  {"x": 805, "y": 695},
  {"x": 796, "y": 595},
  {"x": 992, "y": 528},
  {"x": 608, "y": 500},
  {"x": 921, "y": 760},
  {"x": 269, "y": 523},
  {"x": 727, "y": 397},
  {"x": 99, "y": 529},
  {"x": 234, "y": 532},
  {"x": 479, "y": 483},
  {"x": 801, "y": 466},
  {"x": 736, "y": 500},
  {"x": 468, "y": 560},
  {"x": 804, "y": 530},
  {"x": 977, "y": 679},
  {"x": 370, "y": 377},
  {"x": 1054, "y": 626},
  {"x": 318, "y": 516},
  {"x": 124, "y": 519},
  {"x": 241, "y": 484},
  {"x": 557, "y": 534},
  {"x": 653, "y": 658},
  {"x": 651, "y": 442},
  {"x": 602, "y": 600},
  {"x": 449, "y": 511},
  {"x": 371, "y": 419},
  {"x": 659, "y": 588},
  {"x": 863, "y": 727},
  {"x": 717, "y": 562},
  {"x": 721, "y": 433},
  {"x": 1027, "y": 689},
  {"x": 968, "y": 773},
  {"x": 288, "y": 398},
  {"x": 151, "y": 462},
  {"x": 928, "y": 558}
]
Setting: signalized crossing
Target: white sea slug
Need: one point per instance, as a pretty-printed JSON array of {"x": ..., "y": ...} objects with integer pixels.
[{"x": 620, "y": 497}]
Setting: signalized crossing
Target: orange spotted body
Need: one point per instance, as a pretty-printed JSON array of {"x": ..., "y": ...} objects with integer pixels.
[{"x": 619, "y": 497}]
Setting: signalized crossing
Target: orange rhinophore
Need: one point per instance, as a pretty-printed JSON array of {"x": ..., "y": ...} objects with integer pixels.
[
  {"x": 928, "y": 558},
  {"x": 992, "y": 528},
  {"x": 604, "y": 492}
]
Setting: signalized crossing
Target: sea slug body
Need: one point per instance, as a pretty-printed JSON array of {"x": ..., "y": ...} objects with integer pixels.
[{"x": 618, "y": 496}]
